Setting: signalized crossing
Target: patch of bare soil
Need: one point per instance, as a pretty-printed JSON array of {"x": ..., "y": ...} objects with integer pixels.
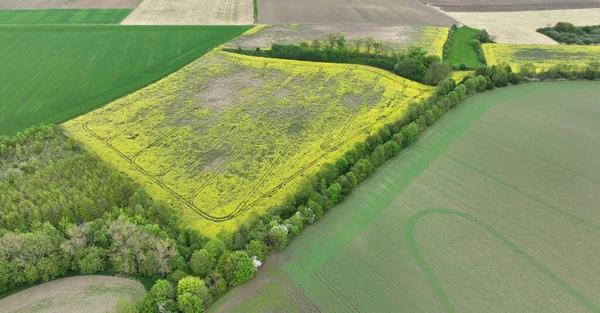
[
  {"x": 192, "y": 12},
  {"x": 386, "y": 12},
  {"x": 68, "y": 4},
  {"x": 511, "y": 5},
  {"x": 90, "y": 294},
  {"x": 395, "y": 37}
]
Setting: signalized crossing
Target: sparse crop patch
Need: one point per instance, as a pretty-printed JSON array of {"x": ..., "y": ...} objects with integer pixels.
[
  {"x": 542, "y": 56},
  {"x": 230, "y": 134}
]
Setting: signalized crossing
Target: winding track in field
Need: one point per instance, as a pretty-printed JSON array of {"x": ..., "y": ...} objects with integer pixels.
[{"x": 437, "y": 286}]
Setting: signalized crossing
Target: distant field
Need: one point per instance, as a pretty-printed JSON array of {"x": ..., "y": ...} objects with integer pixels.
[
  {"x": 51, "y": 73},
  {"x": 386, "y": 12},
  {"x": 520, "y": 27},
  {"x": 462, "y": 52},
  {"x": 542, "y": 56},
  {"x": 398, "y": 37},
  {"x": 494, "y": 208},
  {"x": 66, "y": 16},
  {"x": 511, "y": 5},
  {"x": 230, "y": 134},
  {"x": 91, "y": 294},
  {"x": 192, "y": 12},
  {"x": 68, "y": 4}
]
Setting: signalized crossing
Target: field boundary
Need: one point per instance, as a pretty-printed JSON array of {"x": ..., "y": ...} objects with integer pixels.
[{"x": 254, "y": 196}]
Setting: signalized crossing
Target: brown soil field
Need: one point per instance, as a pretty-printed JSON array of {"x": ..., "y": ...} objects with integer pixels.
[
  {"x": 394, "y": 38},
  {"x": 192, "y": 12},
  {"x": 387, "y": 12},
  {"x": 520, "y": 27},
  {"x": 90, "y": 294},
  {"x": 511, "y": 5},
  {"x": 68, "y": 4}
]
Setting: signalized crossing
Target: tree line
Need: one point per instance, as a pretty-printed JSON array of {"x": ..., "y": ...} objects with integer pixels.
[
  {"x": 140, "y": 236},
  {"x": 570, "y": 34},
  {"x": 414, "y": 63}
]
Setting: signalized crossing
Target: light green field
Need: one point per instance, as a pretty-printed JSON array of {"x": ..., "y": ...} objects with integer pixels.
[
  {"x": 493, "y": 210},
  {"x": 64, "y": 16},
  {"x": 49, "y": 74}
]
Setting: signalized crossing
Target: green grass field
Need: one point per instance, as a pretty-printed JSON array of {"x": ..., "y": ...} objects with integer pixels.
[
  {"x": 64, "y": 16},
  {"x": 493, "y": 209},
  {"x": 49, "y": 74},
  {"x": 462, "y": 52}
]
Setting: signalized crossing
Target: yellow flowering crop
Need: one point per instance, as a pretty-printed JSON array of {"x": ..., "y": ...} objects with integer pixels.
[
  {"x": 542, "y": 56},
  {"x": 433, "y": 39},
  {"x": 229, "y": 134}
]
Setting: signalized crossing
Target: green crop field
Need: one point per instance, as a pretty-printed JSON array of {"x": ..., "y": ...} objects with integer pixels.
[
  {"x": 64, "y": 16},
  {"x": 462, "y": 51},
  {"x": 52, "y": 73},
  {"x": 494, "y": 208}
]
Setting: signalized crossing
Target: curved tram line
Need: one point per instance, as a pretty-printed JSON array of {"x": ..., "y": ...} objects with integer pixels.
[{"x": 247, "y": 202}]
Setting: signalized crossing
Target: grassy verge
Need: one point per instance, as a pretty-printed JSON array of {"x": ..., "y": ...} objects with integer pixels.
[{"x": 462, "y": 51}]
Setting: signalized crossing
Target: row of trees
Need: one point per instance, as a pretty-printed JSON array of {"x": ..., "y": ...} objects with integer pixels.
[
  {"x": 142, "y": 237},
  {"x": 414, "y": 64},
  {"x": 572, "y": 35}
]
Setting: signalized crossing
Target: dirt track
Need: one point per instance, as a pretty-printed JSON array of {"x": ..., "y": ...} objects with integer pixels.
[
  {"x": 90, "y": 294},
  {"x": 387, "y": 12},
  {"x": 511, "y": 5},
  {"x": 68, "y": 4}
]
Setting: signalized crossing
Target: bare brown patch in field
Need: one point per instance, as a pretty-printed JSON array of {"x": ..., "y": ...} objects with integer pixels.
[
  {"x": 394, "y": 37},
  {"x": 390, "y": 12},
  {"x": 511, "y": 5},
  {"x": 68, "y": 4},
  {"x": 192, "y": 12},
  {"x": 92, "y": 294}
]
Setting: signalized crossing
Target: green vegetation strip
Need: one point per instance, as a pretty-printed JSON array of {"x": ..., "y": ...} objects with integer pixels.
[
  {"x": 462, "y": 51},
  {"x": 49, "y": 74},
  {"x": 412, "y": 245},
  {"x": 63, "y": 16}
]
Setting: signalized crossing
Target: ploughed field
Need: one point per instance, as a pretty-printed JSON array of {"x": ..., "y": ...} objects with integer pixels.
[
  {"x": 394, "y": 38},
  {"x": 50, "y": 73},
  {"x": 92, "y": 294},
  {"x": 511, "y": 5},
  {"x": 229, "y": 134},
  {"x": 386, "y": 12},
  {"x": 494, "y": 207}
]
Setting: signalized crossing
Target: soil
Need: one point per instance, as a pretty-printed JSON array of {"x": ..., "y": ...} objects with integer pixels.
[
  {"x": 520, "y": 27},
  {"x": 68, "y": 4},
  {"x": 511, "y": 5},
  {"x": 394, "y": 37},
  {"x": 192, "y": 12},
  {"x": 90, "y": 294},
  {"x": 386, "y": 12}
]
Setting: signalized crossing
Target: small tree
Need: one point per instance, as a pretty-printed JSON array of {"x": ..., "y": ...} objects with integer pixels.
[
  {"x": 377, "y": 47},
  {"x": 189, "y": 303},
  {"x": 332, "y": 38},
  {"x": 189, "y": 284},
  {"x": 316, "y": 44},
  {"x": 202, "y": 262},
  {"x": 357, "y": 42},
  {"x": 369, "y": 42}
]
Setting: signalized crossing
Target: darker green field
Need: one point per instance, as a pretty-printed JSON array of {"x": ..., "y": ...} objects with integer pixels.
[
  {"x": 462, "y": 51},
  {"x": 49, "y": 74},
  {"x": 64, "y": 16},
  {"x": 494, "y": 208}
]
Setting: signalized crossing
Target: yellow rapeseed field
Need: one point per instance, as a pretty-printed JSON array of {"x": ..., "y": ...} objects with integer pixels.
[
  {"x": 542, "y": 56},
  {"x": 229, "y": 134},
  {"x": 433, "y": 39}
]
